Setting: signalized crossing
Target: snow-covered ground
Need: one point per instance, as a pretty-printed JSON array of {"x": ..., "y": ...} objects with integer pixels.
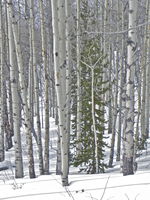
[
  {"x": 108, "y": 186},
  {"x": 101, "y": 186}
]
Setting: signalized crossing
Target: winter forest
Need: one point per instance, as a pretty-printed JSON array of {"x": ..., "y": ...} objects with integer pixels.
[{"x": 85, "y": 64}]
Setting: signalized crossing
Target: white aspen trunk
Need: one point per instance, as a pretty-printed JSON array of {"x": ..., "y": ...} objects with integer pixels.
[
  {"x": 129, "y": 121},
  {"x": 31, "y": 81},
  {"x": 137, "y": 134},
  {"x": 115, "y": 111},
  {"x": 10, "y": 111},
  {"x": 54, "y": 8},
  {"x": 31, "y": 70},
  {"x": 58, "y": 164},
  {"x": 50, "y": 65},
  {"x": 147, "y": 95},
  {"x": 94, "y": 123},
  {"x": 59, "y": 66},
  {"x": 15, "y": 103},
  {"x": 121, "y": 91},
  {"x": 45, "y": 63},
  {"x": 105, "y": 47},
  {"x": 8, "y": 125},
  {"x": 2, "y": 152},
  {"x": 114, "y": 114},
  {"x": 79, "y": 146},
  {"x": 23, "y": 92},
  {"x": 64, "y": 135},
  {"x": 110, "y": 117},
  {"x": 68, "y": 67},
  {"x": 143, "y": 96},
  {"x": 109, "y": 93},
  {"x": 36, "y": 88}
]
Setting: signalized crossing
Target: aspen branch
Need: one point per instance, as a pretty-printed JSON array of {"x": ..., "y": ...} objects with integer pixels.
[
  {"x": 120, "y": 32},
  {"x": 93, "y": 66}
]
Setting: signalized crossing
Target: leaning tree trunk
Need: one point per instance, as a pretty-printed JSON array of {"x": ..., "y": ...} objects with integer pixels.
[
  {"x": 128, "y": 144},
  {"x": 23, "y": 90}
]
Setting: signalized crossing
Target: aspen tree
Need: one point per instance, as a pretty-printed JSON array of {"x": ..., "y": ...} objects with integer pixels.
[
  {"x": 45, "y": 63},
  {"x": 7, "y": 90},
  {"x": 115, "y": 114},
  {"x": 120, "y": 104},
  {"x": 53, "y": 100},
  {"x": 106, "y": 42},
  {"x": 68, "y": 64},
  {"x": 15, "y": 102},
  {"x": 2, "y": 153},
  {"x": 143, "y": 103},
  {"x": 62, "y": 93},
  {"x": 59, "y": 53},
  {"x": 30, "y": 64},
  {"x": 147, "y": 94},
  {"x": 147, "y": 65},
  {"x": 54, "y": 8},
  {"x": 128, "y": 143},
  {"x": 78, "y": 78},
  {"x": 116, "y": 65},
  {"x": 23, "y": 91},
  {"x": 36, "y": 88}
]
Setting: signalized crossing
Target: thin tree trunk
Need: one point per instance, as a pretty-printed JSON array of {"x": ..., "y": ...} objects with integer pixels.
[
  {"x": 121, "y": 93},
  {"x": 94, "y": 123},
  {"x": 79, "y": 146},
  {"x": 9, "y": 103},
  {"x": 114, "y": 114}
]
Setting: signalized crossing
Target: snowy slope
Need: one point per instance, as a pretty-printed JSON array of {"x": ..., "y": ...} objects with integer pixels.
[
  {"x": 101, "y": 186},
  {"x": 107, "y": 186}
]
